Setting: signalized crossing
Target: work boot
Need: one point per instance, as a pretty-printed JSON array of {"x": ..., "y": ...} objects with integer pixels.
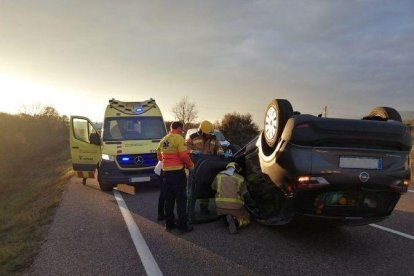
[
  {"x": 232, "y": 224},
  {"x": 186, "y": 229},
  {"x": 170, "y": 226}
]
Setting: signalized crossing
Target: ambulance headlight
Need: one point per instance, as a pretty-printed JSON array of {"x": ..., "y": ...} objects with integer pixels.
[{"x": 108, "y": 157}]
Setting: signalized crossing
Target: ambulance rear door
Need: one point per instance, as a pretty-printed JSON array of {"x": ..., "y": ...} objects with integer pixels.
[{"x": 85, "y": 146}]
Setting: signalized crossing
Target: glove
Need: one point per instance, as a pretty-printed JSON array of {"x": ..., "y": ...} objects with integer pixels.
[
  {"x": 196, "y": 152},
  {"x": 227, "y": 154}
]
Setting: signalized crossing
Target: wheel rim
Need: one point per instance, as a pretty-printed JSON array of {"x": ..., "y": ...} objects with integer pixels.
[{"x": 271, "y": 123}]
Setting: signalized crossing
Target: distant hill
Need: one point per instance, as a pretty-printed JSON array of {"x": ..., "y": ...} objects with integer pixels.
[{"x": 407, "y": 115}]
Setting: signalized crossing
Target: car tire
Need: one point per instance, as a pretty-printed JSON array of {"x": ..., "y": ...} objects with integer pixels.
[
  {"x": 384, "y": 114},
  {"x": 277, "y": 114},
  {"x": 104, "y": 187}
]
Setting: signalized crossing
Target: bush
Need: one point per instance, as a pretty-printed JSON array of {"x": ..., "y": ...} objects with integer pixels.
[
  {"x": 27, "y": 139},
  {"x": 238, "y": 128},
  {"x": 34, "y": 166}
]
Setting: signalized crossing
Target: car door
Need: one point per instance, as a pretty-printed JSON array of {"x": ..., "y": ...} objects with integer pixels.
[{"x": 85, "y": 146}]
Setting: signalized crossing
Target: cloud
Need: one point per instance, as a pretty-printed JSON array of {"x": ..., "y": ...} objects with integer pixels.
[{"x": 349, "y": 55}]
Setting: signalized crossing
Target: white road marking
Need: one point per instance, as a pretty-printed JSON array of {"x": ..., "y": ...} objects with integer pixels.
[
  {"x": 150, "y": 265},
  {"x": 411, "y": 191},
  {"x": 393, "y": 231}
]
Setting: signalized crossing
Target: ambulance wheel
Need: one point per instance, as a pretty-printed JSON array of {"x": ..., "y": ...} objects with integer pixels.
[
  {"x": 384, "y": 113},
  {"x": 277, "y": 114},
  {"x": 104, "y": 187}
]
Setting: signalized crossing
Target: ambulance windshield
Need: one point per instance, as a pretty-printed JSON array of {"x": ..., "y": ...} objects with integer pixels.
[{"x": 133, "y": 128}]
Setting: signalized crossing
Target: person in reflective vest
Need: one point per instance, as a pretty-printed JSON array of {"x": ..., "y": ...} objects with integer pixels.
[
  {"x": 230, "y": 190},
  {"x": 204, "y": 141},
  {"x": 173, "y": 154}
]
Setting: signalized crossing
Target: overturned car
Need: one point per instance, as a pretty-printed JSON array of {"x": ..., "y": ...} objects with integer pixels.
[{"x": 301, "y": 166}]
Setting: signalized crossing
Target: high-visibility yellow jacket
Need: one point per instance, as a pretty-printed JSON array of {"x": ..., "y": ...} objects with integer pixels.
[
  {"x": 206, "y": 144},
  {"x": 173, "y": 153},
  {"x": 229, "y": 190}
]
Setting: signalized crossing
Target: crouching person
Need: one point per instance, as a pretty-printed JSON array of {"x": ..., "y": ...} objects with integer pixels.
[{"x": 230, "y": 189}]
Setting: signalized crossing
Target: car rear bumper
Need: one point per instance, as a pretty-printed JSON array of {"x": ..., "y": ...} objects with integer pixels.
[
  {"x": 356, "y": 206},
  {"x": 333, "y": 220}
]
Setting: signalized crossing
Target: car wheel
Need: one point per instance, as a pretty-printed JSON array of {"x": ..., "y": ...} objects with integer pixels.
[
  {"x": 277, "y": 113},
  {"x": 384, "y": 114},
  {"x": 102, "y": 186}
]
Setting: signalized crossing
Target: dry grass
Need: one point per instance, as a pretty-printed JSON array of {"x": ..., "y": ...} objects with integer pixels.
[
  {"x": 34, "y": 166},
  {"x": 26, "y": 211}
]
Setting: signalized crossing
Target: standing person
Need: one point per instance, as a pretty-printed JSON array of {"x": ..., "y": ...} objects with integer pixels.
[
  {"x": 231, "y": 190},
  {"x": 173, "y": 154},
  {"x": 204, "y": 141},
  {"x": 161, "y": 197},
  {"x": 161, "y": 200}
]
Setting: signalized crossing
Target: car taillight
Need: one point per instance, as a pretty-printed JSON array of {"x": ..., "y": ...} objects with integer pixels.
[
  {"x": 310, "y": 182},
  {"x": 401, "y": 186},
  {"x": 302, "y": 125}
]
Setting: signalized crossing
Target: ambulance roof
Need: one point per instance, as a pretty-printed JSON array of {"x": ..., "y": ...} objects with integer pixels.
[{"x": 145, "y": 108}]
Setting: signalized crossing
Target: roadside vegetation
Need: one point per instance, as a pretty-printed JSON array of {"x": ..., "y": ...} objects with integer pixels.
[
  {"x": 34, "y": 166},
  {"x": 238, "y": 128},
  {"x": 410, "y": 124}
]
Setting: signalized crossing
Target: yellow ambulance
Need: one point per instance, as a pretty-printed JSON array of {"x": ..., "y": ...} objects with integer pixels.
[{"x": 124, "y": 150}]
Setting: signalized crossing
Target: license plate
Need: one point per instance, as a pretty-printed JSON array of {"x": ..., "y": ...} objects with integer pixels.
[
  {"x": 360, "y": 163},
  {"x": 140, "y": 179}
]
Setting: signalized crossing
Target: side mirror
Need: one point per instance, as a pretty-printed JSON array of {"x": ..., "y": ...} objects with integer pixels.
[{"x": 95, "y": 139}]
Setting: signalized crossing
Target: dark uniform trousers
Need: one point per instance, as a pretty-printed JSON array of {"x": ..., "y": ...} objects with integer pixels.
[
  {"x": 161, "y": 198},
  {"x": 175, "y": 191}
]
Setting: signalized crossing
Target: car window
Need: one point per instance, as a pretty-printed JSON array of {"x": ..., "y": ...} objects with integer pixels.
[
  {"x": 189, "y": 132},
  {"x": 219, "y": 135}
]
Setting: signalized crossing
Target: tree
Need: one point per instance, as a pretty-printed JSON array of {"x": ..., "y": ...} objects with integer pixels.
[
  {"x": 32, "y": 110},
  {"x": 49, "y": 111},
  {"x": 185, "y": 111},
  {"x": 239, "y": 128}
]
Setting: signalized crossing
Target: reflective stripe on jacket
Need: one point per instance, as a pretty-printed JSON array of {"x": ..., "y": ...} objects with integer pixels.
[
  {"x": 173, "y": 152},
  {"x": 205, "y": 144},
  {"x": 229, "y": 190}
]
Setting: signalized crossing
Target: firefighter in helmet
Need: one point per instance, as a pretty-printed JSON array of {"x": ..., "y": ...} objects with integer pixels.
[
  {"x": 204, "y": 141},
  {"x": 231, "y": 190}
]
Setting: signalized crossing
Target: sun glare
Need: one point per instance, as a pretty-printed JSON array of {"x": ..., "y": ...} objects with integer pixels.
[
  {"x": 21, "y": 95},
  {"x": 18, "y": 94}
]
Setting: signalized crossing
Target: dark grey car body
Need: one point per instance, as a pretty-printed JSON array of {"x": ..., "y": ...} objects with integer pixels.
[{"x": 336, "y": 170}]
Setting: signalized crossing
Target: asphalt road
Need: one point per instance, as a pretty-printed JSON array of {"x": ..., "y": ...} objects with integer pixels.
[{"x": 89, "y": 236}]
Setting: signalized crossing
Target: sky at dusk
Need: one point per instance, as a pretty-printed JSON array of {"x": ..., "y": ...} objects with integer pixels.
[{"x": 225, "y": 56}]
